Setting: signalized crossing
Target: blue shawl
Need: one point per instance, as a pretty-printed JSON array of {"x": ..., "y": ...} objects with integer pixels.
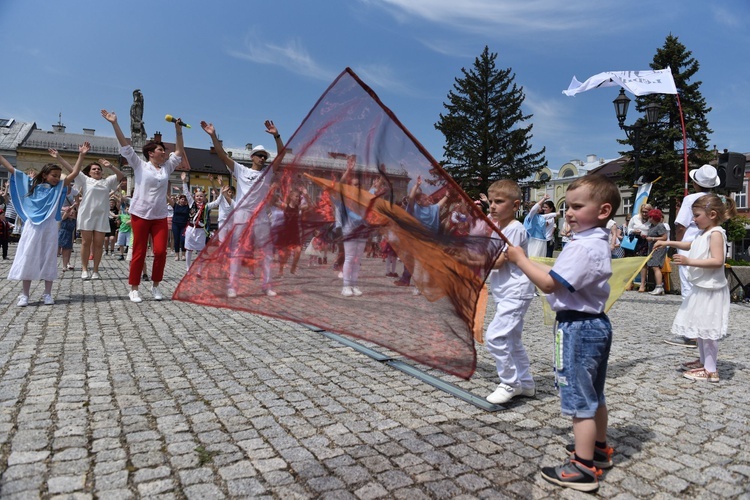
[{"x": 45, "y": 202}]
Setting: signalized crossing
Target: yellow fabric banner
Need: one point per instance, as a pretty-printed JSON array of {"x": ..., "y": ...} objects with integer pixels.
[{"x": 624, "y": 272}]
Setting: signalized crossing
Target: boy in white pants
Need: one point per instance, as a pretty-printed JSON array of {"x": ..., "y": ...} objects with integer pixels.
[{"x": 512, "y": 292}]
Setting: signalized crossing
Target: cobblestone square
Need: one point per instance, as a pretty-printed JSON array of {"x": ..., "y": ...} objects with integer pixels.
[{"x": 103, "y": 398}]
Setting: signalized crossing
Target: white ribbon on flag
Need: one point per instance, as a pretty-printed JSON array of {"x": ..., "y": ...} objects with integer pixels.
[{"x": 637, "y": 82}]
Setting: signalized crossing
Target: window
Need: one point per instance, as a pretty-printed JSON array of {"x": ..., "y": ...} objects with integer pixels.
[
  {"x": 568, "y": 172},
  {"x": 4, "y": 122},
  {"x": 627, "y": 205},
  {"x": 740, "y": 199}
]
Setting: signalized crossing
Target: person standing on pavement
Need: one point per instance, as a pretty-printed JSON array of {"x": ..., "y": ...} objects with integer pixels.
[
  {"x": 656, "y": 232},
  {"x": 180, "y": 217},
  {"x": 577, "y": 290},
  {"x": 39, "y": 202},
  {"x": 512, "y": 292},
  {"x": 93, "y": 211},
  {"x": 704, "y": 313},
  {"x": 148, "y": 210},
  {"x": 704, "y": 180},
  {"x": 256, "y": 181}
]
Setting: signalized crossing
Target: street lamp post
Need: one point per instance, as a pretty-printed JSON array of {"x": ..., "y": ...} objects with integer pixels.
[{"x": 633, "y": 132}]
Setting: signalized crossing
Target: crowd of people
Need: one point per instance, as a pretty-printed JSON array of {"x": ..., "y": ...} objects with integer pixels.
[{"x": 576, "y": 285}]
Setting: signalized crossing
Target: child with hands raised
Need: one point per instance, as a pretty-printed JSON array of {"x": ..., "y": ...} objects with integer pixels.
[{"x": 39, "y": 201}]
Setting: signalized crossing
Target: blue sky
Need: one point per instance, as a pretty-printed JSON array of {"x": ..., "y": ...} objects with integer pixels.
[{"x": 238, "y": 63}]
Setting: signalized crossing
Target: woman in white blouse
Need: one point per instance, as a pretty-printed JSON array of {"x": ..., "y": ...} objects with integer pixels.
[
  {"x": 148, "y": 210},
  {"x": 93, "y": 213}
]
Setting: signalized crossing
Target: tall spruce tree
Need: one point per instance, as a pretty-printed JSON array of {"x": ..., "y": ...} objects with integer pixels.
[
  {"x": 662, "y": 144},
  {"x": 485, "y": 136}
]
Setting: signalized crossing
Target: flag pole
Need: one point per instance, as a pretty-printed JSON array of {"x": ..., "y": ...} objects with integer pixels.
[{"x": 684, "y": 143}]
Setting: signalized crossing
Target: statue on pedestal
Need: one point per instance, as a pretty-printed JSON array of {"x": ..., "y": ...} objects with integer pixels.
[{"x": 137, "y": 128}]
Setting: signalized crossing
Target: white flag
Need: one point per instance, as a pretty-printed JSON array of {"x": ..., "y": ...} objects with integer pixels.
[
  {"x": 641, "y": 197},
  {"x": 637, "y": 82}
]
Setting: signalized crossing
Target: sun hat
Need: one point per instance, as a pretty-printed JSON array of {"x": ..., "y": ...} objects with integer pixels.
[
  {"x": 258, "y": 149},
  {"x": 706, "y": 176}
]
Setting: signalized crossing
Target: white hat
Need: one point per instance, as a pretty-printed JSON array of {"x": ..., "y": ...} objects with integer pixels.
[
  {"x": 705, "y": 176},
  {"x": 258, "y": 149}
]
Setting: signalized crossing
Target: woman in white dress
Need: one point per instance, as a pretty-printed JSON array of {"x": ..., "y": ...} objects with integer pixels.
[{"x": 93, "y": 213}]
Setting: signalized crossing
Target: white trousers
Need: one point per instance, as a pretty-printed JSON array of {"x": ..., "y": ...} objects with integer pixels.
[{"x": 503, "y": 340}]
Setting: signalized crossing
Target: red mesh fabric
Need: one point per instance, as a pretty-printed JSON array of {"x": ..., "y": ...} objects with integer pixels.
[{"x": 352, "y": 164}]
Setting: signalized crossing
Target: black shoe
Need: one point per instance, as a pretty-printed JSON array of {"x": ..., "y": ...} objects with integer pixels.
[
  {"x": 145, "y": 277},
  {"x": 602, "y": 457},
  {"x": 572, "y": 474},
  {"x": 682, "y": 342},
  {"x": 121, "y": 257}
]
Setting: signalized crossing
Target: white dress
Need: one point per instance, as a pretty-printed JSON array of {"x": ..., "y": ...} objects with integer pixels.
[
  {"x": 705, "y": 312},
  {"x": 93, "y": 214},
  {"x": 36, "y": 255}
]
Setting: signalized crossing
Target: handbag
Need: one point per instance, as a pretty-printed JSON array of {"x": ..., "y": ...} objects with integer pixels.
[{"x": 629, "y": 241}]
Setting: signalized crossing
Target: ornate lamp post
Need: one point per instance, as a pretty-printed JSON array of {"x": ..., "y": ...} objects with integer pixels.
[{"x": 633, "y": 132}]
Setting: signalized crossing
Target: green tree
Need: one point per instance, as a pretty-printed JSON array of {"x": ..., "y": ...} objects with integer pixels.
[
  {"x": 486, "y": 138},
  {"x": 662, "y": 144}
]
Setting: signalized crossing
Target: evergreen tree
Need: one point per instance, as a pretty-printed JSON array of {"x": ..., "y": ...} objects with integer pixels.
[
  {"x": 485, "y": 136},
  {"x": 662, "y": 144}
]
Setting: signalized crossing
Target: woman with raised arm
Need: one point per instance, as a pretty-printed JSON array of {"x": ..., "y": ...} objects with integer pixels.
[
  {"x": 39, "y": 202},
  {"x": 148, "y": 212},
  {"x": 93, "y": 211}
]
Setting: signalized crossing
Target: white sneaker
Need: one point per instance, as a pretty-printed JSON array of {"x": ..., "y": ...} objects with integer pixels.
[
  {"x": 347, "y": 291},
  {"x": 48, "y": 300},
  {"x": 503, "y": 394},
  {"x": 341, "y": 275},
  {"x": 356, "y": 291},
  {"x": 270, "y": 293},
  {"x": 528, "y": 392},
  {"x": 231, "y": 293},
  {"x": 156, "y": 293},
  {"x": 95, "y": 276},
  {"x": 659, "y": 290},
  {"x": 85, "y": 275},
  {"x": 23, "y": 300},
  {"x": 135, "y": 296}
]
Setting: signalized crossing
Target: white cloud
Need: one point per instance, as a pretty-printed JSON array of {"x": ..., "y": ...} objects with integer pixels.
[
  {"x": 725, "y": 17},
  {"x": 498, "y": 18},
  {"x": 383, "y": 77},
  {"x": 292, "y": 56}
]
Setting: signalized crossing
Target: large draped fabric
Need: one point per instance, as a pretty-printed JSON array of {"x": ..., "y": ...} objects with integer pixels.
[{"x": 345, "y": 176}]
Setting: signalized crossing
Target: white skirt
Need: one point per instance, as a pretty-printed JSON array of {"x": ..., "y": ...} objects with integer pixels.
[
  {"x": 704, "y": 314},
  {"x": 537, "y": 248},
  {"x": 195, "y": 238},
  {"x": 36, "y": 255}
]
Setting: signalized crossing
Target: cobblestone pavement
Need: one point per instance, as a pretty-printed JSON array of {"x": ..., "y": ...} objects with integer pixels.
[{"x": 103, "y": 398}]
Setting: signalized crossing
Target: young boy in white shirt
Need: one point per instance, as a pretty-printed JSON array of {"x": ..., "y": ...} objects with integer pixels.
[
  {"x": 512, "y": 292},
  {"x": 577, "y": 290}
]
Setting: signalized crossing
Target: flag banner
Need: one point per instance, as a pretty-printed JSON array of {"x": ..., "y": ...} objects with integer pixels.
[
  {"x": 637, "y": 82},
  {"x": 624, "y": 272},
  {"x": 641, "y": 197},
  {"x": 367, "y": 204}
]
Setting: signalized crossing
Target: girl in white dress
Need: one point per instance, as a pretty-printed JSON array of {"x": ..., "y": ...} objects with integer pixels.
[
  {"x": 704, "y": 313},
  {"x": 93, "y": 213},
  {"x": 38, "y": 202}
]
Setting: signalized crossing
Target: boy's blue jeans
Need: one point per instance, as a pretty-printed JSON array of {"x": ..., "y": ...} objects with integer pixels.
[{"x": 582, "y": 345}]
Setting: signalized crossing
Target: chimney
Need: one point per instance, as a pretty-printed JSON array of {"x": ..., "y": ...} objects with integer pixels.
[
  {"x": 249, "y": 146},
  {"x": 157, "y": 136},
  {"x": 59, "y": 128},
  {"x": 88, "y": 131},
  {"x": 590, "y": 158}
]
